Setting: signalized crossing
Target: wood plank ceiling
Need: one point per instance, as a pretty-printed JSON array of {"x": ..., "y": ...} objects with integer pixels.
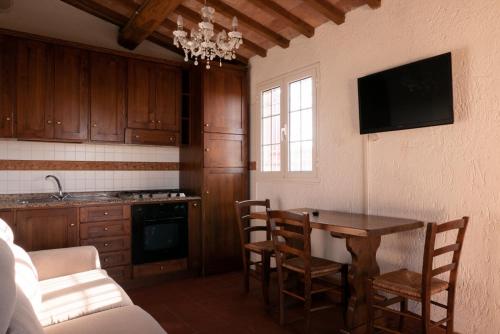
[{"x": 264, "y": 23}]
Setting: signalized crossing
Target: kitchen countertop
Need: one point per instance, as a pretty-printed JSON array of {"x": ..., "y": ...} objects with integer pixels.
[{"x": 14, "y": 201}]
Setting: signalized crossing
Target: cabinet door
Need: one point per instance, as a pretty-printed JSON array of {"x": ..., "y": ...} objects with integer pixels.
[
  {"x": 34, "y": 90},
  {"x": 222, "y": 186},
  {"x": 140, "y": 95},
  {"x": 7, "y": 86},
  {"x": 223, "y": 150},
  {"x": 167, "y": 98},
  {"x": 194, "y": 221},
  {"x": 46, "y": 229},
  {"x": 71, "y": 94},
  {"x": 107, "y": 97},
  {"x": 8, "y": 217},
  {"x": 225, "y": 101}
]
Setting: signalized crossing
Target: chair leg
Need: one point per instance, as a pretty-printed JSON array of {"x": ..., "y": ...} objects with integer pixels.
[
  {"x": 403, "y": 307},
  {"x": 307, "y": 302},
  {"x": 344, "y": 281},
  {"x": 246, "y": 272},
  {"x": 426, "y": 315},
  {"x": 369, "y": 302},
  {"x": 281, "y": 286},
  {"x": 266, "y": 263}
]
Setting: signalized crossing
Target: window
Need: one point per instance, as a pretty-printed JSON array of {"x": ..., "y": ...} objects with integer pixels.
[{"x": 288, "y": 125}]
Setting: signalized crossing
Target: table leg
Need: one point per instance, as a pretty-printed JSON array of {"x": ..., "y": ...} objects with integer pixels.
[{"x": 364, "y": 265}]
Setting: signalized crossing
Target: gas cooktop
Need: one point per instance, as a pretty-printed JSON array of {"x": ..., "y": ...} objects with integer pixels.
[{"x": 144, "y": 194}]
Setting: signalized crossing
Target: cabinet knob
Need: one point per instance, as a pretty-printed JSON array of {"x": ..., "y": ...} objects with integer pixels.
[
  {"x": 152, "y": 121},
  {"x": 72, "y": 225},
  {"x": 106, "y": 213},
  {"x": 162, "y": 268},
  {"x": 94, "y": 125},
  {"x": 106, "y": 259},
  {"x": 207, "y": 150},
  {"x": 172, "y": 139},
  {"x": 107, "y": 244},
  {"x": 158, "y": 122},
  {"x": 49, "y": 122},
  {"x": 106, "y": 229},
  {"x": 58, "y": 123},
  {"x": 207, "y": 192},
  {"x": 195, "y": 205},
  {"x": 206, "y": 125},
  {"x": 7, "y": 118},
  {"x": 137, "y": 136}
]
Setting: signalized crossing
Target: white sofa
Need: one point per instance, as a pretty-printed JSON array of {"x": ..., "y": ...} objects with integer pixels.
[{"x": 63, "y": 291}]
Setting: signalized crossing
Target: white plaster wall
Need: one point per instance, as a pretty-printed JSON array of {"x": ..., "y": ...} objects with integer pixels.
[
  {"x": 56, "y": 19},
  {"x": 432, "y": 174}
]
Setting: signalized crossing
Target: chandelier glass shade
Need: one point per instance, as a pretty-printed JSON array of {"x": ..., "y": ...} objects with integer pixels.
[{"x": 203, "y": 43}]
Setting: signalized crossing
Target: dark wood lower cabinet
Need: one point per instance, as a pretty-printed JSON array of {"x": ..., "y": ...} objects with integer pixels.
[
  {"x": 222, "y": 187},
  {"x": 38, "y": 229},
  {"x": 194, "y": 230},
  {"x": 8, "y": 217}
]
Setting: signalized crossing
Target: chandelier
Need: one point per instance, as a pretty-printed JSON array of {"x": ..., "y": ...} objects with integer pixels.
[{"x": 202, "y": 44}]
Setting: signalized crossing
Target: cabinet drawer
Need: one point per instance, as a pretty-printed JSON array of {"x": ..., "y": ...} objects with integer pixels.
[
  {"x": 108, "y": 244},
  {"x": 113, "y": 259},
  {"x": 158, "y": 268},
  {"x": 151, "y": 137},
  {"x": 223, "y": 150},
  {"x": 102, "y": 213},
  {"x": 119, "y": 274},
  {"x": 105, "y": 229}
]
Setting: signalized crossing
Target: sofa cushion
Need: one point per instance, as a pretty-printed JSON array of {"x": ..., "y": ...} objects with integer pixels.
[
  {"x": 72, "y": 296},
  {"x": 123, "y": 320},
  {"x": 26, "y": 276},
  {"x": 24, "y": 319},
  {"x": 7, "y": 286}
]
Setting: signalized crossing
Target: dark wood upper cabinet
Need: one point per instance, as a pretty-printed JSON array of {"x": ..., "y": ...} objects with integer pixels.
[
  {"x": 224, "y": 150},
  {"x": 167, "y": 98},
  {"x": 107, "y": 97},
  {"x": 71, "y": 93},
  {"x": 7, "y": 86},
  {"x": 46, "y": 229},
  {"x": 224, "y": 99},
  {"x": 140, "y": 95},
  {"x": 35, "y": 90},
  {"x": 154, "y": 96}
]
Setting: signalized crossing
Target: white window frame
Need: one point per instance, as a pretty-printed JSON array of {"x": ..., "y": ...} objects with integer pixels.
[{"x": 283, "y": 82}]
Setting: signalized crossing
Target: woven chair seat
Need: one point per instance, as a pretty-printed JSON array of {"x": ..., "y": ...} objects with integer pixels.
[
  {"x": 259, "y": 246},
  {"x": 407, "y": 283},
  {"x": 319, "y": 267}
]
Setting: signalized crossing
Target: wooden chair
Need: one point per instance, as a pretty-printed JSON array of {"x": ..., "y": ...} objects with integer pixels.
[
  {"x": 405, "y": 284},
  {"x": 291, "y": 234},
  {"x": 261, "y": 269}
]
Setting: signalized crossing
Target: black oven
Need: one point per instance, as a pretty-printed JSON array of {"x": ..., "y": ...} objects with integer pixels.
[{"x": 159, "y": 232}]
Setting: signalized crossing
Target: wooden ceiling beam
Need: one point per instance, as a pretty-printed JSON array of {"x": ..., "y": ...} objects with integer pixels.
[
  {"x": 328, "y": 10},
  {"x": 276, "y": 10},
  {"x": 250, "y": 23},
  {"x": 95, "y": 8},
  {"x": 195, "y": 17},
  {"x": 145, "y": 20},
  {"x": 374, "y": 3}
]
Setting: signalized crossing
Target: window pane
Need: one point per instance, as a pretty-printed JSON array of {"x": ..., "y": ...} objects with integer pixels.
[
  {"x": 276, "y": 157},
  {"x": 276, "y": 129},
  {"x": 276, "y": 98},
  {"x": 306, "y": 156},
  {"x": 266, "y": 103},
  {"x": 306, "y": 93},
  {"x": 266, "y": 158},
  {"x": 306, "y": 124},
  {"x": 266, "y": 131},
  {"x": 294, "y": 96},
  {"x": 295, "y": 126},
  {"x": 294, "y": 157}
]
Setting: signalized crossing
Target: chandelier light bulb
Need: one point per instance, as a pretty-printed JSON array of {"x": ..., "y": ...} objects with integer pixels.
[
  {"x": 180, "y": 22},
  {"x": 235, "y": 23}
]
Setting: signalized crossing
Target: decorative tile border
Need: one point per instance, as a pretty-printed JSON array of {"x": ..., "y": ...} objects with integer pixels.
[{"x": 86, "y": 165}]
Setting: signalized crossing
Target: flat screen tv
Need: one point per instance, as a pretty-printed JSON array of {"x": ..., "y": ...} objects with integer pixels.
[{"x": 410, "y": 96}]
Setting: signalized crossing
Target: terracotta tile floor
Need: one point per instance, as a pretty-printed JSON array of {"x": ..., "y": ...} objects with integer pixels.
[{"x": 217, "y": 304}]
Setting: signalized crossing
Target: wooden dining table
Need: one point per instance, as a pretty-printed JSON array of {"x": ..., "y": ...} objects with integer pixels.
[{"x": 363, "y": 234}]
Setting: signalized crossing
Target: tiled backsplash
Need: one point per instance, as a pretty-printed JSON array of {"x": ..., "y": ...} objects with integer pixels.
[{"x": 12, "y": 182}]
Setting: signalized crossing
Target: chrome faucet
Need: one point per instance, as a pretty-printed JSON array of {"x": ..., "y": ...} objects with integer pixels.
[{"x": 61, "y": 195}]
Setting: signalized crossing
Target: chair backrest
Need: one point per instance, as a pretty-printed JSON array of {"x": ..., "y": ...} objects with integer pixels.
[
  {"x": 431, "y": 252},
  {"x": 291, "y": 234},
  {"x": 242, "y": 210}
]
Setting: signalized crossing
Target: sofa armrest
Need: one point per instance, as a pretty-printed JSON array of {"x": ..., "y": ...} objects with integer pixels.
[{"x": 65, "y": 261}]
